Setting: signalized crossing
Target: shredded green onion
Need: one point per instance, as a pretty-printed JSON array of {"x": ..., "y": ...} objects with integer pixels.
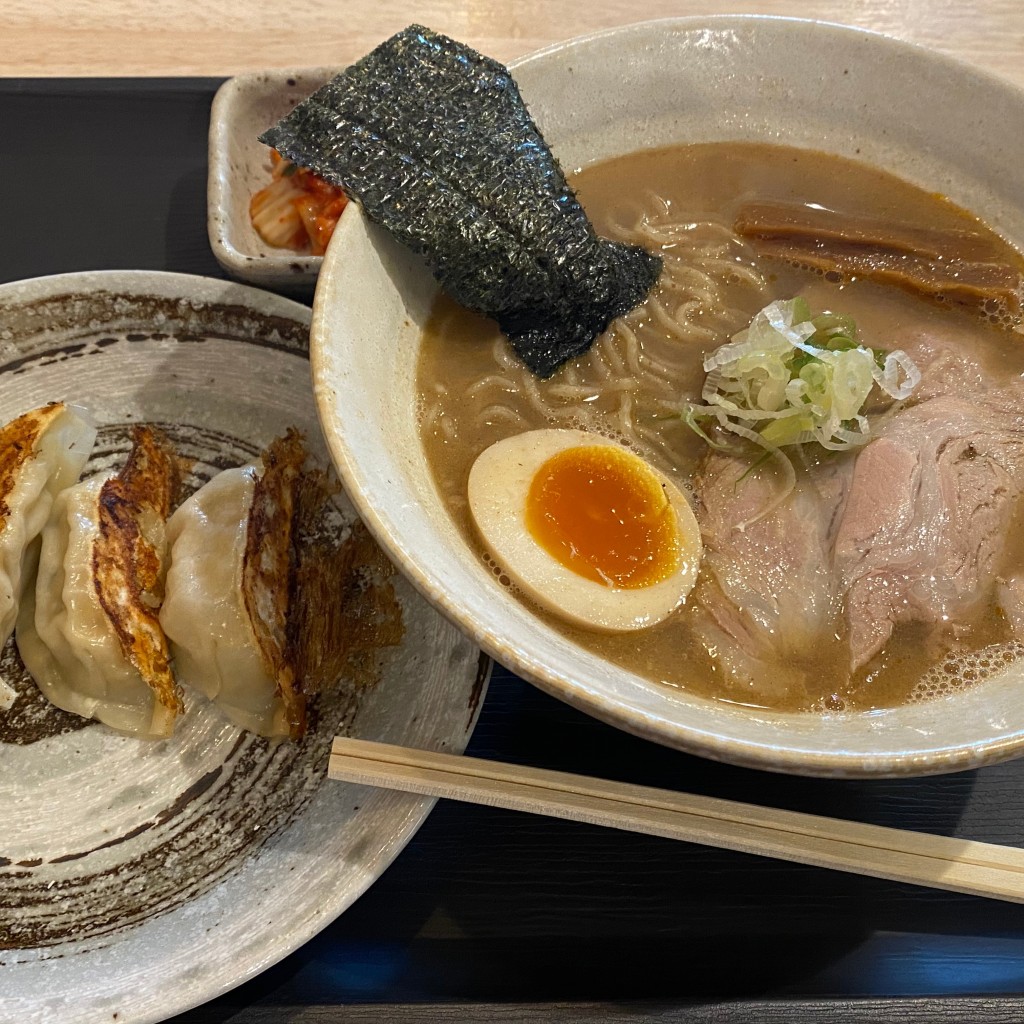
[{"x": 792, "y": 377}]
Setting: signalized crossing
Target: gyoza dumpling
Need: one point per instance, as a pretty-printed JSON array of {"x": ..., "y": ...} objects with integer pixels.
[
  {"x": 225, "y": 610},
  {"x": 88, "y": 633},
  {"x": 41, "y": 453}
]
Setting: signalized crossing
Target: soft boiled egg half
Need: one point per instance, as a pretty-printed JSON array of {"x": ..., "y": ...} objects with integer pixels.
[{"x": 586, "y": 528}]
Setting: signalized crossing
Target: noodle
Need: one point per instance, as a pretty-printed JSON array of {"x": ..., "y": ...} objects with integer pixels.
[{"x": 633, "y": 380}]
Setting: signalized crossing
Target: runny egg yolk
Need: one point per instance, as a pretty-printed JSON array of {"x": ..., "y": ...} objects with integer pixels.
[
  {"x": 584, "y": 528},
  {"x": 601, "y": 512}
]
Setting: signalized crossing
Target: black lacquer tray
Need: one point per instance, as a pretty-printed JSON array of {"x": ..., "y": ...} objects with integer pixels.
[{"x": 491, "y": 915}]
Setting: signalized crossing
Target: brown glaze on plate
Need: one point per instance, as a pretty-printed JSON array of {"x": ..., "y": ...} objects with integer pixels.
[{"x": 139, "y": 878}]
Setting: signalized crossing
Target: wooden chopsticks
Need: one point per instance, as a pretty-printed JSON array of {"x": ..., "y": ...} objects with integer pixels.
[{"x": 959, "y": 865}]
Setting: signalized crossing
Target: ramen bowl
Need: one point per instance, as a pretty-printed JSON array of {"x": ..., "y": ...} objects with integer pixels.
[{"x": 753, "y": 79}]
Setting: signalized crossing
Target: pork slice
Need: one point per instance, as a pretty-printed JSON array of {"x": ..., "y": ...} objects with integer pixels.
[
  {"x": 947, "y": 365},
  {"x": 767, "y": 593},
  {"x": 1010, "y": 598},
  {"x": 927, "y": 515}
]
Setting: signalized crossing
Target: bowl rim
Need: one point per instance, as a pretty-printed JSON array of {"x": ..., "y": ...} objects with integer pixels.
[{"x": 767, "y": 756}]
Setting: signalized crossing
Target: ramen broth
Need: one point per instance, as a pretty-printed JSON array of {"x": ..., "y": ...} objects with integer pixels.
[{"x": 631, "y": 385}]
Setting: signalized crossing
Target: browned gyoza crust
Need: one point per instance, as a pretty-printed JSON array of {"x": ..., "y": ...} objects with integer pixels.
[
  {"x": 17, "y": 445},
  {"x": 129, "y": 556},
  {"x": 268, "y": 567},
  {"x": 343, "y": 607}
]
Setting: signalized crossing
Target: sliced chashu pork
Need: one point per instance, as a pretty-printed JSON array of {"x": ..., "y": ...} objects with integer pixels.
[
  {"x": 767, "y": 594},
  {"x": 910, "y": 529},
  {"x": 927, "y": 515}
]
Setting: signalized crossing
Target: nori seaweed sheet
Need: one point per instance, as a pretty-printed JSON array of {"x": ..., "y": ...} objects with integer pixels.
[{"x": 434, "y": 141}]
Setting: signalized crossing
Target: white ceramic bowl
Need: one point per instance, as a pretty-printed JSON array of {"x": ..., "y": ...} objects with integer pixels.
[{"x": 930, "y": 119}]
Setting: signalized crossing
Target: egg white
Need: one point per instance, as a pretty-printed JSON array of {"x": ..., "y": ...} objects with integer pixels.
[{"x": 499, "y": 483}]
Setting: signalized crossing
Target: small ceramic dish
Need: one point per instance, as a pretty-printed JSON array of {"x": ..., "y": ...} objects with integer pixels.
[
  {"x": 239, "y": 165},
  {"x": 746, "y": 79}
]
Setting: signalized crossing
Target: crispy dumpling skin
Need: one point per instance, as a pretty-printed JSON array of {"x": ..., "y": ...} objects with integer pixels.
[
  {"x": 88, "y": 633},
  {"x": 225, "y": 611},
  {"x": 41, "y": 453}
]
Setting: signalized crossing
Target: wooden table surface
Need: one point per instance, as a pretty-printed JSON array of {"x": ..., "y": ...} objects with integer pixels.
[{"x": 224, "y": 37}]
